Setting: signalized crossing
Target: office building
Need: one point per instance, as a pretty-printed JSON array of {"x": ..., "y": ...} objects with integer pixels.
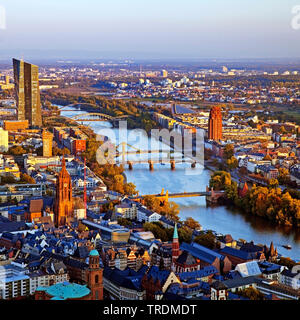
[{"x": 27, "y": 92}]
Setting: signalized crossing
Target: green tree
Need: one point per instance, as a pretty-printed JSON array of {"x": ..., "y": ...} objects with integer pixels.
[
  {"x": 207, "y": 240},
  {"x": 124, "y": 222},
  {"x": 185, "y": 235}
]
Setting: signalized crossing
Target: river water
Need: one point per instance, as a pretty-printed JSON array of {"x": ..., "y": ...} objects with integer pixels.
[{"x": 220, "y": 219}]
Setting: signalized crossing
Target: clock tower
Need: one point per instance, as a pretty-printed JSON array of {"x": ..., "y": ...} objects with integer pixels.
[{"x": 63, "y": 205}]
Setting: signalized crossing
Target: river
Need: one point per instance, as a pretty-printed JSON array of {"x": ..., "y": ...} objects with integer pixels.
[{"x": 220, "y": 219}]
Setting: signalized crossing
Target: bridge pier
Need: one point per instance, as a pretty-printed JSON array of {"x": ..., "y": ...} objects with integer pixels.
[
  {"x": 193, "y": 165},
  {"x": 151, "y": 168},
  {"x": 172, "y": 165},
  {"x": 130, "y": 166}
]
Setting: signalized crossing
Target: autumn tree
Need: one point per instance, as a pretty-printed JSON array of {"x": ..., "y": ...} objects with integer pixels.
[
  {"x": 232, "y": 163},
  {"x": 192, "y": 223},
  {"x": 25, "y": 178},
  {"x": 228, "y": 151},
  {"x": 220, "y": 180},
  {"x": 252, "y": 294}
]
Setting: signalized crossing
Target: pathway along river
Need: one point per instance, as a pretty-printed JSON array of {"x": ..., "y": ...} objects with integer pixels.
[{"x": 220, "y": 219}]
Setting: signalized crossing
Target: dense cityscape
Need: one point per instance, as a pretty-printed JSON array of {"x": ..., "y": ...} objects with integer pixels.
[
  {"x": 149, "y": 157},
  {"x": 72, "y": 228}
]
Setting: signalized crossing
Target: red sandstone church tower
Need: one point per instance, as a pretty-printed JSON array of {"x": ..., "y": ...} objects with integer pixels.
[
  {"x": 175, "y": 247},
  {"x": 215, "y": 124},
  {"x": 95, "y": 276},
  {"x": 63, "y": 205}
]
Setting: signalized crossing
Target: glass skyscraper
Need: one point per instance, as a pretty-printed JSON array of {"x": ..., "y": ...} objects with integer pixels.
[{"x": 27, "y": 92}]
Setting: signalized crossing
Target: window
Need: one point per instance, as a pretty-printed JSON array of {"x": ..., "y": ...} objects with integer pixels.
[{"x": 96, "y": 279}]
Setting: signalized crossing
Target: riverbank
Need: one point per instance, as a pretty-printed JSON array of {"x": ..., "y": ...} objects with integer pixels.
[
  {"x": 269, "y": 202},
  {"x": 224, "y": 220}
]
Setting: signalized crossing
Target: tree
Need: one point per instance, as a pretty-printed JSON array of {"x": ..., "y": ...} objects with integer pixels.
[
  {"x": 108, "y": 206},
  {"x": 284, "y": 176},
  {"x": 118, "y": 183},
  {"x": 228, "y": 151},
  {"x": 287, "y": 262},
  {"x": 60, "y": 152},
  {"x": 252, "y": 294},
  {"x": 27, "y": 179},
  {"x": 171, "y": 210},
  {"x": 207, "y": 240},
  {"x": 152, "y": 202},
  {"x": 130, "y": 189},
  {"x": 232, "y": 192},
  {"x": 273, "y": 183},
  {"x": 191, "y": 223},
  {"x": 185, "y": 235},
  {"x": 7, "y": 180},
  {"x": 232, "y": 163},
  {"x": 16, "y": 150},
  {"x": 158, "y": 230},
  {"x": 124, "y": 222},
  {"x": 219, "y": 180}
]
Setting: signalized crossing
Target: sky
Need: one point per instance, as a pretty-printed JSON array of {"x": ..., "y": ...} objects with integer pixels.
[{"x": 187, "y": 29}]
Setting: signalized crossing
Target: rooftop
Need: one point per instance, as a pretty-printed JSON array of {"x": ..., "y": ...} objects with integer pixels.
[{"x": 65, "y": 290}]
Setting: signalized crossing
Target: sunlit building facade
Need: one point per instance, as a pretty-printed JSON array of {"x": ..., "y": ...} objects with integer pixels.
[{"x": 27, "y": 92}]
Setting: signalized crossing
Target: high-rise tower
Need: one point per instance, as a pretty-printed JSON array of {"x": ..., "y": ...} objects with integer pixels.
[
  {"x": 27, "y": 92},
  {"x": 63, "y": 205},
  {"x": 47, "y": 143},
  {"x": 215, "y": 124}
]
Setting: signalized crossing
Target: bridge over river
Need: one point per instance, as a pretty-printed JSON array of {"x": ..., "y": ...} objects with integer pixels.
[{"x": 211, "y": 195}]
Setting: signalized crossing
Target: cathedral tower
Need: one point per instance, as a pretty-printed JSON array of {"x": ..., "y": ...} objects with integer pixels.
[{"x": 63, "y": 205}]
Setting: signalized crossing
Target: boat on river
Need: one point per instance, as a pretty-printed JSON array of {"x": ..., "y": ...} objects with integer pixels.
[{"x": 287, "y": 246}]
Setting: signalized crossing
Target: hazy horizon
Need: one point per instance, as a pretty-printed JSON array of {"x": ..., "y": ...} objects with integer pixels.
[{"x": 93, "y": 29}]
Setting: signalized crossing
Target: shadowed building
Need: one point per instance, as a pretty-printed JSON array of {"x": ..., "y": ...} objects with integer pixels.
[
  {"x": 215, "y": 124},
  {"x": 27, "y": 92}
]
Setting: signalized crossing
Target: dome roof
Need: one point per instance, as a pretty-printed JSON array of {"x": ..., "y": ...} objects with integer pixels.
[{"x": 94, "y": 253}]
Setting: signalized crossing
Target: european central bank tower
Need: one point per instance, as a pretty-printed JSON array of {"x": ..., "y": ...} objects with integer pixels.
[{"x": 27, "y": 92}]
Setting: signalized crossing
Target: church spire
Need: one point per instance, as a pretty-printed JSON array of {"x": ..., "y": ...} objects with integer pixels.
[
  {"x": 175, "y": 248},
  {"x": 175, "y": 234},
  {"x": 272, "y": 251}
]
